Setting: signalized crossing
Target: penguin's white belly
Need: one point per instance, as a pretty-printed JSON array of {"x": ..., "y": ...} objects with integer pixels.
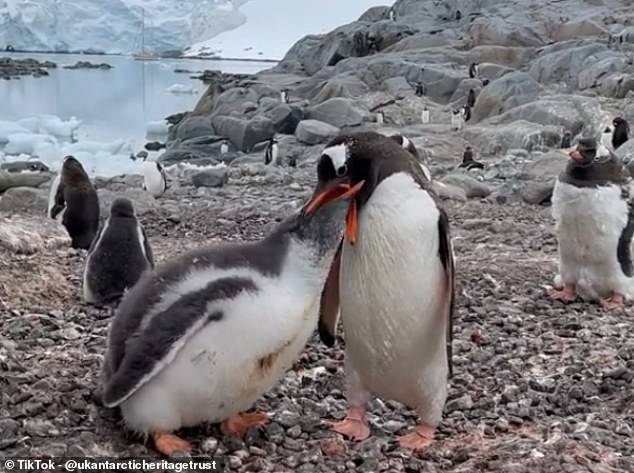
[
  {"x": 589, "y": 222},
  {"x": 229, "y": 364},
  {"x": 153, "y": 179},
  {"x": 392, "y": 296}
]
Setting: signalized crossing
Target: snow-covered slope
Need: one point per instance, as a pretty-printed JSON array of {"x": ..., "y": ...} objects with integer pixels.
[
  {"x": 273, "y": 26},
  {"x": 114, "y": 26},
  {"x": 253, "y": 29}
]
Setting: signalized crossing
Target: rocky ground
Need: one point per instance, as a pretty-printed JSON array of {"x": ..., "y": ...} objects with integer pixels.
[
  {"x": 538, "y": 386},
  {"x": 14, "y": 68}
]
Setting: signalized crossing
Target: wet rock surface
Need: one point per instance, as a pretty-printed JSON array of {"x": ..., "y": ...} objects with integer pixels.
[{"x": 14, "y": 68}]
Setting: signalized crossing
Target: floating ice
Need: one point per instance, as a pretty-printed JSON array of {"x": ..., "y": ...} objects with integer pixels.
[
  {"x": 10, "y": 128},
  {"x": 159, "y": 127},
  {"x": 28, "y": 143},
  {"x": 181, "y": 89},
  {"x": 51, "y": 125}
]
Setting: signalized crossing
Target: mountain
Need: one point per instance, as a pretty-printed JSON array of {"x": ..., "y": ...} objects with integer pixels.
[
  {"x": 114, "y": 26},
  {"x": 227, "y": 28}
]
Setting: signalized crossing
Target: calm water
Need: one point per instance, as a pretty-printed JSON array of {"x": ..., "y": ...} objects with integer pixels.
[{"x": 113, "y": 104}]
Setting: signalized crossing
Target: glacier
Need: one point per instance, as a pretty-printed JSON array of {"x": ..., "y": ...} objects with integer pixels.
[{"x": 241, "y": 29}]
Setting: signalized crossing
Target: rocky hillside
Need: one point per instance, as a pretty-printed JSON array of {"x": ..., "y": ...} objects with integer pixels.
[{"x": 549, "y": 67}]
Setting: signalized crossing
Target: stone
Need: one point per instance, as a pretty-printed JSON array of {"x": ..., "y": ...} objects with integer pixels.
[
  {"x": 497, "y": 31},
  {"x": 27, "y": 234},
  {"x": 501, "y": 95},
  {"x": 216, "y": 177},
  {"x": 338, "y": 112},
  {"x": 154, "y": 146},
  {"x": 472, "y": 187},
  {"x": 193, "y": 127},
  {"x": 314, "y": 132},
  {"x": 285, "y": 118},
  {"x": 244, "y": 134},
  {"x": 24, "y": 200}
]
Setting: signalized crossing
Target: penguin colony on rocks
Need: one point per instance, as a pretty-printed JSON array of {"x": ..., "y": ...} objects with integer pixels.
[{"x": 171, "y": 358}]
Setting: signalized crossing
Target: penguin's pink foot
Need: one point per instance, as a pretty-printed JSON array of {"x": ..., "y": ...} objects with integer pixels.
[
  {"x": 614, "y": 302},
  {"x": 239, "y": 424},
  {"x": 355, "y": 425},
  {"x": 419, "y": 439},
  {"x": 170, "y": 444},
  {"x": 567, "y": 294}
]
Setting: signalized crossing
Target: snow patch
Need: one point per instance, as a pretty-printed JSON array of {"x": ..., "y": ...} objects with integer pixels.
[{"x": 159, "y": 127}]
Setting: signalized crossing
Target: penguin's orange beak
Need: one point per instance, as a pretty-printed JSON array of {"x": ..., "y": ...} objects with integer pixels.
[
  {"x": 337, "y": 190},
  {"x": 576, "y": 155}
]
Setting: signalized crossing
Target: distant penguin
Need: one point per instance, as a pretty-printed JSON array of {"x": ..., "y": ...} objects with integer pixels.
[
  {"x": 154, "y": 178},
  {"x": 621, "y": 132},
  {"x": 420, "y": 89},
  {"x": 471, "y": 98},
  {"x": 566, "y": 140},
  {"x": 424, "y": 116},
  {"x": 594, "y": 222},
  {"x": 284, "y": 95},
  {"x": 77, "y": 198},
  {"x": 468, "y": 162},
  {"x": 606, "y": 138},
  {"x": 224, "y": 147},
  {"x": 118, "y": 256},
  {"x": 407, "y": 144},
  {"x": 392, "y": 14},
  {"x": 458, "y": 15},
  {"x": 474, "y": 70},
  {"x": 200, "y": 339},
  {"x": 292, "y": 161},
  {"x": 485, "y": 82},
  {"x": 466, "y": 113},
  {"x": 271, "y": 152},
  {"x": 457, "y": 120},
  {"x": 380, "y": 118}
]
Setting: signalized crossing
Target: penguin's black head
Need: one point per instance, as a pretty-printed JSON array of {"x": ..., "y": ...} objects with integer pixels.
[
  {"x": 73, "y": 172},
  {"x": 121, "y": 207},
  {"x": 593, "y": 164},
  {"x": 351, "y": 166},
  {"x": 619, "y": 122}
]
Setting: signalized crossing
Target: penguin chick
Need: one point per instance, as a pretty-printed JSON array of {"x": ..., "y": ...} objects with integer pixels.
[
  {"x": 594, "y": 223},
  {"x": 119, "y": 254},
  {"x": 621, "y": 132},
  {"x": 202, "y": 337},
  {"x": 393, "y": 281},
  {"x": 76, "y": 197}
]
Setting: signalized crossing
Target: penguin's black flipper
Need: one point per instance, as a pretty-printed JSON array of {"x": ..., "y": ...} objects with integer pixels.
[
  {"x": 329, "y": 303},
  {"x": 445, "y": 253}
]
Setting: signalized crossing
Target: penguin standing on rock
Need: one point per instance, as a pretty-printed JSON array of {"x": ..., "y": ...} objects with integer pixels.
[
  {"x": 393, "y": 281},
  {"x": 420, "y": 89},
  {"x": 468, "y": 162},
  {"x": 118, "y": 256},
  {"x": 76, "y": 197},
  {"x": 621, "y": 132},
  {"x": 224, "y": 147},
  {"x": 201, "y": 338},
  {"x": 457, "y": 119},
  {"x": 271, "y": 152},
  {"x": 392, "y": 14},
  {"x": 466, "y": 113},
  {"x": 474, "y": 70},
  {"x": 594, "y": 222},
  {"x": 154, "y": 178},
  {"x": 566, "y": 140},
  {"x": 284, "y": 96}
]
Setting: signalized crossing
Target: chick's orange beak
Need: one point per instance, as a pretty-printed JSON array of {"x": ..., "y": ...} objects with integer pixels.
[
  {"x": 336, "y": 191},
  {"x": 576, "y": 155}
]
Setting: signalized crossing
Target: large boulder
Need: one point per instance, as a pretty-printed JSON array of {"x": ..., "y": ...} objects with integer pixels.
[
  {"x": 313, "y": 132},
  {"x": 192, "y": 150},
  {"x": 510, "y": 90},
  {"x": 473, "y": 188},
  {"x": 24, "y": 234},
  {"x": 617, "y": 85},
  {"x": 214, "y": 177},
  {"x": 9, "y": 180},
  {"x": 286, "y": 117},
  {"x": 502, "y": 32},
  {"x": 519, "y": 134},
  {"x": 575, "y": 29},
  {"x": 24, "y": 200},
  {"x": 244, "y": 134},
  {"x": 193, "y": 127},
  {"x": 338, "y": 112}
]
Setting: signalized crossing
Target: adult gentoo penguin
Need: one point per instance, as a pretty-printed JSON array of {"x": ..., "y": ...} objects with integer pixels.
[
  {"x": 271, "y": 151},
  {"x": 594, "y": 221},
  {"x": 471, "y": 98},
  {"x": 621, "y": 132},
  {"x": 118, "y": 256},
  {"x": 224, "y": 147},
  {"x": 154, "y": 178},
  {"x": 77, "y": 198},
  {"x": 474, "y": 70},
  {"x": 393, "y": 282},
  {"x": 468, "y": 162},
  {"x": 566, "y": 140},
  {"x": 457, "y": 119},
  {"x": 201, "y": 338}
]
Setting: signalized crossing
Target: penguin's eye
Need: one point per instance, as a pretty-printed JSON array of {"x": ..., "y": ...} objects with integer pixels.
[{"x": 342, "y": 170}]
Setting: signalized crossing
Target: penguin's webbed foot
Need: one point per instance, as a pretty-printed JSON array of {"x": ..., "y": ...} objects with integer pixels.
[
  {"x": 419, "y": 439},
  {"x": 355, "y": 425},
  {"x": 615, "y": 302},
  {"x": 239, "y": 424},
  {"x": 567, "y": 294},
  {"x": 170, "y": 444}
]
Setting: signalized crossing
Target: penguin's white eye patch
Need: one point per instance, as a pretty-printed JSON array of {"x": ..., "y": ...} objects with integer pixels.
[{"x": 338, "y": 155}]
